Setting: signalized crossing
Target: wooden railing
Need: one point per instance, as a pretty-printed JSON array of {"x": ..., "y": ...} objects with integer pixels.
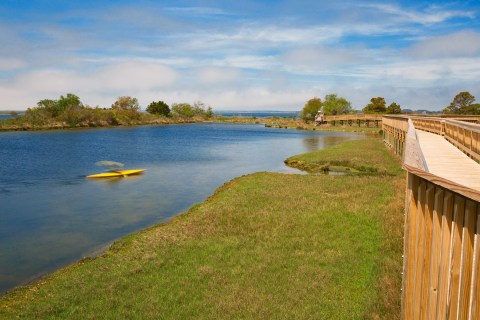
[
  {"x": 464, "y": 136},
  {"x": 441, "y": 270},
  {"x": 353, "y": 117},
  {"x": 394, "y": 132}
]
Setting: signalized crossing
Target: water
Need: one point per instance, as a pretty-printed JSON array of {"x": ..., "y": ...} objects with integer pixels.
[
  {"x": 51, "y": 215},
  {"x": 259, "y": 114},
  {"x": 4, "y": 116}
]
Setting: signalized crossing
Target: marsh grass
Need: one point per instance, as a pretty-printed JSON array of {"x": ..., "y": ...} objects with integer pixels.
[
  {"x": 296, "y": 123},
  {"x": 263, "y": 246},
  {"x": 366, "y": 156}
]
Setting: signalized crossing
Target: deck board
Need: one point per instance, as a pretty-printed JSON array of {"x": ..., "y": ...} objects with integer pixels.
[{"x": 445, "y": 160}]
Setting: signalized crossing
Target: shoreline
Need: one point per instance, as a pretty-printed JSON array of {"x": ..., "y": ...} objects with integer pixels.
[
  {"x": 196, "y": 227},
  {"x": 270, "y": 122}
]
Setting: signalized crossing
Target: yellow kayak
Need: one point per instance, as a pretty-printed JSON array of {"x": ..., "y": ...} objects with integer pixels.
[{"x": 116, "y": 173}]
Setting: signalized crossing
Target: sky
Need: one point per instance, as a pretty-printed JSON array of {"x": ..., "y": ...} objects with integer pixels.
[{"x": 239, "y": 55}]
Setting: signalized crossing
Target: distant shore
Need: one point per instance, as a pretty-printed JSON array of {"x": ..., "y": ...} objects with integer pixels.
[{"x": 18, "y": 124}]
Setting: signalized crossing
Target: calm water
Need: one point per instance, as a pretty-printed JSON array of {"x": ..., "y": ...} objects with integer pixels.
[
  {"x": 51, "y": 215},
  {"x": 259, "y": 114}
]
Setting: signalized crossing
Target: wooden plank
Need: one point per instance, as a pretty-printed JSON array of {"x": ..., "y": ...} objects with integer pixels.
[
  {"x": 427, "y": 254},
  {"x": 456, "y": 254},
  {"x": 436, "y": 253},
  {"x": 474, "y": 312},
  {"x": 468, "y": 234},
  {"x": 409, "y": 242},
  {"x": 443, "y": 280},
  {"x": 445, "y": 183},
  {"x": 419, "y": 253}
]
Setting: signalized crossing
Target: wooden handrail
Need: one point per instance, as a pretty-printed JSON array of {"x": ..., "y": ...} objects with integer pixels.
[
  {"x": 441, "y": 274},
  {"x": 413, "y": 155}
]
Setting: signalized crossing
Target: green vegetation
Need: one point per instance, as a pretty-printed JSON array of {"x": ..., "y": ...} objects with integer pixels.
[
  {"x": 69, "y": 112},
  {"x": 357, "y": 157},
  {"x": 310, "y": 109},
  {"x": 379, "y": 105},
  {"x": 188, "y": 111},
  {"x": 394, "y": 108},
  {"x": 333, "y": 105},
  {"x": 264, "y": 246},
  {"x": 126, "y": 103},
  {"x": 463, "y": 103},
  {"x": 296, "y": 123},
  {"x": 159, "y": 107},
  {"x": 376, "y": 105}
]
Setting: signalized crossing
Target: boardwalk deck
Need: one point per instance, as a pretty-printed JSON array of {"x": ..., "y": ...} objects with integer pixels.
[{"x": 445, "y": 160}]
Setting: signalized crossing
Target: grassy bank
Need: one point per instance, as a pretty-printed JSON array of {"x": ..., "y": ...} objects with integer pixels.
[
  {"x": 359, "y": 157},
  {"x": 99, "y": 118},
  {"x": 264, "y": 246},
  {"x": 296, "y": 123}
]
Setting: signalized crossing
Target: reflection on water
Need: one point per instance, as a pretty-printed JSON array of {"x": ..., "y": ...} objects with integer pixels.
[
  {"x": 321, "y": 142},
  {"x": 52, "y": 215}
]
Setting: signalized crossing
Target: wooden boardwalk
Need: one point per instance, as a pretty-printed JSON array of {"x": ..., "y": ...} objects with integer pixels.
[
  {"x": 441, "y": 261},
  {"x": 443, "y": 159}
]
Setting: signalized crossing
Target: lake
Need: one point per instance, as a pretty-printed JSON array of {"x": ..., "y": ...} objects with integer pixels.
[{"x": 51, "y": 215}]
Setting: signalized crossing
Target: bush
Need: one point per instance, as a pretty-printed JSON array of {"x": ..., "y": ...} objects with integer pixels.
[
  {"x": 186, "y": 110},
  {"x": 160, "y": 108}
]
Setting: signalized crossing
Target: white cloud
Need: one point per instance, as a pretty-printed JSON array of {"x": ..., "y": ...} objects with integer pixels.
[
  {"x": 459, "y": 44},
  {"x": 311, "y": 60},
  {"x": 217, "y": 76},
  {"x": 99, "y": 86},
  {"x": 196, "y": 11},
  {"x": 432, "y": 15},
  {"x": 136, "y": 75},
  {"x": 11, "y": 64}
]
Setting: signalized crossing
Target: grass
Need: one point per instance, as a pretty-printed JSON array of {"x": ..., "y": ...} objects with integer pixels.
[
  {"x": 365, "y": 156},
  {"x": 296, "y": 123},
  {"x": 266, "y": 245}
]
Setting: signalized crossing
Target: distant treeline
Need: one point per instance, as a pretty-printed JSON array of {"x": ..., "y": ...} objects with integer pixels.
[
  {"x": 69, "y": 111},
  {"x": 462, "y": 103}
]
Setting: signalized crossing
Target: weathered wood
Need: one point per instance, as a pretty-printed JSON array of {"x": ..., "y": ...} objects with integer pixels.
[
  {"x": 429, "y": 203},
  {"x": 474, "y": 312},
  {"x": 441, "y": 268},
  {"x": 419, "y": 250},
  {"x": 447, "y": 184},
  {"x": 436, "y": 250},
  {"x": 413, "y": 153},
  {"x": 445, "y": 255},
  {"x": 409, "y": 244},
  {"x": 468, "y": 234},
  {"x": 455, "y": 257}
]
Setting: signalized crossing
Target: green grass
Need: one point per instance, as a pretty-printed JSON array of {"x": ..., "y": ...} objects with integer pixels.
[
  {"x": 366, "y": 156},
  {"x": 296, "y": 123},
  {"x": 264, "y": 246}
]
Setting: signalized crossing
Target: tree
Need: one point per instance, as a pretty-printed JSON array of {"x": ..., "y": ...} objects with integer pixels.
[
  {"x": 462, "y": 104},
  {"x": 183, "y": 110},
  {"x": 376, "y": 105},
  {"x": 198, "y": 109},
  {"x": 394, "y": 108},
  {"x": 336, "y": 105},
  {"x": 310, "y": 109},
  {"x": 159, "y": 107},
  {"x": 57, "y": 107},
  {"x": 126, "y": 103}
]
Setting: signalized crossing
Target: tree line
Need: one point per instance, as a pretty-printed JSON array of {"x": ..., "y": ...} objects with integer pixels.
[
  {"x": 125, "y": 110},
  {"x": 462, "y": 103},
  {"x": 335, "y": 105}
]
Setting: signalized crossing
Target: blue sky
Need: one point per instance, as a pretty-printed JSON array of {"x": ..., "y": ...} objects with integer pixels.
[{"x": 239, "y": 55}]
